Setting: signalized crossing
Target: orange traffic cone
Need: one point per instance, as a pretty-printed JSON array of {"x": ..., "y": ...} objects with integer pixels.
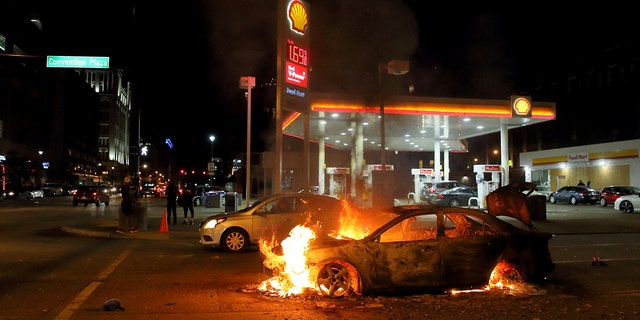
[{"x": 164, "y": 226}]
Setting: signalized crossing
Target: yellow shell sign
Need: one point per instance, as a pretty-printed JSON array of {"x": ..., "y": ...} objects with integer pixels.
[
  {"x": 298, "y": 16},
  {"x": 521, "y": 107}
]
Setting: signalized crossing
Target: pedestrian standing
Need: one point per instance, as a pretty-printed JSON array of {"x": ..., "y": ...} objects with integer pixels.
[
  {"x": 172, "y": 196},
  {"x": 187, "y": 202},
  {"x": 127, "y": 218}
]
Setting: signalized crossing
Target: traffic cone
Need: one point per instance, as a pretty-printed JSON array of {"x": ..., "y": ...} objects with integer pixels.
[{"x": 164, "y": 227}]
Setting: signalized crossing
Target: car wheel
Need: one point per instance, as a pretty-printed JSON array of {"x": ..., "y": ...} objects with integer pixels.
[
  {"x": 603, "y": 202},
  {"x": 337, "y": 279},
  {"x": 86, "y": 204},
  {"x": 196, "y": 202},
  {"x": 106, "y": 204},
  {"x": 235, "y": 240},
  {"x": 573, "y": 200},
  {"x": 505, "y": 274},
  {"x": 75, "y": 204},
  {"x": 552, "y": 199},
  {"x": 626, "y": 207},
  {"x": 454, "y": 203}
]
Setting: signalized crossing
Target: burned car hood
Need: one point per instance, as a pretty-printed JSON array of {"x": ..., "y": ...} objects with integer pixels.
[{"x": 511, "y": 200}]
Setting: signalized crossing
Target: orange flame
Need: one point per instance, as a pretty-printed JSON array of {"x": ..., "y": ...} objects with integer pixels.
[{"x": 294, "y": 278}]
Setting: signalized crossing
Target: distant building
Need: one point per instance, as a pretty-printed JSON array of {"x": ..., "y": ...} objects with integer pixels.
[{"x": 69, "y": 126}]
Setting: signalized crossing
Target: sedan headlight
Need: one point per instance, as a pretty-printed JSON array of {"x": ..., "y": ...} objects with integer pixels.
[{"x": 210, "y": 224}]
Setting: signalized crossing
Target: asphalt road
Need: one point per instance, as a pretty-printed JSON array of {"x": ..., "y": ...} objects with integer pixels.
[{"x": 50, "y": 274}]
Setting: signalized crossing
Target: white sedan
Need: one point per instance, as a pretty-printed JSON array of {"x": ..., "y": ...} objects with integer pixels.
[{"x": 628, "y": 204}]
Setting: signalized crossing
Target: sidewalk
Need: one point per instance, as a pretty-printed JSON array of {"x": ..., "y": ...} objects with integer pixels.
[{"x": 150, "y": 226}]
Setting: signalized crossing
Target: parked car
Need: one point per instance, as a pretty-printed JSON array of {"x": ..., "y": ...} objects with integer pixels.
[
  {"x": 52, "y": 189},
  {"x": 68, "y": 189},
  {"x": 23, "y": 192},
  {"x": 627, "y": 204},
  {"x": 271, "y": 217},
  {"x": 575, "y": 195},
  {"x": 91, "y": 194},
  {"x": 425, "y": 248},
  {"x": 203, "y": 192},
  {"x": 542, "y": 190},
  {"x": 455, "y": 197},
  {"x": 431, "y": 189},
  {"x": 609, "y": 194}
]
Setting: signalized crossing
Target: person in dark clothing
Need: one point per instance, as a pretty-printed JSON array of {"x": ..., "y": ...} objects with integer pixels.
[
  {"x": 127, "y": 218},
  {"x": 172, "y": 196},
  {"x": 187, "y": 202}
]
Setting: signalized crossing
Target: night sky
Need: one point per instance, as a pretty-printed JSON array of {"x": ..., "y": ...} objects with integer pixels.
[{"x": 186, "y": 57}]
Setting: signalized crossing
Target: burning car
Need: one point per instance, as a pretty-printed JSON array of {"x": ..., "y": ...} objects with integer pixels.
[{"x": 412, "y": 248}]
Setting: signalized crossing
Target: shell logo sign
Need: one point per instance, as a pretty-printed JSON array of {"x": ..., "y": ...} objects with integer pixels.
[
  {"x": 298, "y": 16},
  {"x": 520, "y": 107}
]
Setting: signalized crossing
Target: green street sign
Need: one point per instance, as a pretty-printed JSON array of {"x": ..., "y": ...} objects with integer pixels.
[{"x": 76, "y": 62}]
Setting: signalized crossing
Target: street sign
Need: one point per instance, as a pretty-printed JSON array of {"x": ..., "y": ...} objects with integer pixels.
[{"x": 77, "y": 62}]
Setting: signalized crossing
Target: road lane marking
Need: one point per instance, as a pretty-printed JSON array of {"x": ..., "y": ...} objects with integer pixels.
[{"x": 68, "y": 311}]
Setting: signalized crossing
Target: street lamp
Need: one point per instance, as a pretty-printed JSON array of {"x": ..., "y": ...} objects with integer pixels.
[
  {"x": 212, "y": 138},
  {"x": 212, "y": 166},
  {"x": 394, "y": 67}
]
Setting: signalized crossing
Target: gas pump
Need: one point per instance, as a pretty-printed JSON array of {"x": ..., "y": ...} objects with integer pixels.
[
  {"x": 378, "y": 185},
  {"x": 420, "y": 177},
  {"x": 338, "y": 182},
  {"x": 486, "y": 186}
]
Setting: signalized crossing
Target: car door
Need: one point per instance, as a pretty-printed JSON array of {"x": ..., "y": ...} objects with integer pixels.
[
  {"x": 465, "y": 194},
  {"x": 276, "y": 218},
  {"x": 470, "y": 249},
  {"x": 563, "y": 194},
  {"x": 408, "y": 255}
]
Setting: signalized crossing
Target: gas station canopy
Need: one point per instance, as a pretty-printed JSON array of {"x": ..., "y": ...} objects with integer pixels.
[{"x": 412, "y": 123}]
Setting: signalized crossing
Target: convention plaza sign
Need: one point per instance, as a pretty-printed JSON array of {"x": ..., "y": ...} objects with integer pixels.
[{"x": 77, "y": 62}]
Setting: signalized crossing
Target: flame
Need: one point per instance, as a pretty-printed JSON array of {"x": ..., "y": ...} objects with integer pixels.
[
  {"x": 290, "y": 271},
  {"x": 294, "y": 278},
  {"x": 505, "y": 277}
]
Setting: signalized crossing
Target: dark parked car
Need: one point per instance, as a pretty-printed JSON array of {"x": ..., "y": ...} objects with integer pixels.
[
  {"x": 609, "y": 194},
  {"x": 575, "y": 195},
  {"x": 420, "y": 248},
  {"x": 455, "y": 197},
  {"x": 52, "y": 189},
  {"x": 90, "y": 194},
  {"x": 203, "y": 192},
  {"x": 431, "y": 189}
]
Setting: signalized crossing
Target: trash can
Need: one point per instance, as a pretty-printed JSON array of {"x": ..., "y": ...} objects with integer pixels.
[
  {"x": 537, "y": 206},
  {"x": 214, "y": 201},
  {"x": 231, "y": 202}
]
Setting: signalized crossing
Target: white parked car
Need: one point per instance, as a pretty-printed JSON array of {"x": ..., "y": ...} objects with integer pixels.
[
  {"x": 542, "y": 190},
  {"x": 271, "y": 217},
  {"x": 628, "y": 204}
]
